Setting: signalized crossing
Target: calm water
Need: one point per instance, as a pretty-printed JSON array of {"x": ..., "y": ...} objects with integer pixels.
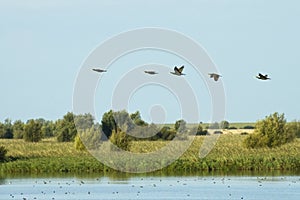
[{"x": 153, "y": 187}]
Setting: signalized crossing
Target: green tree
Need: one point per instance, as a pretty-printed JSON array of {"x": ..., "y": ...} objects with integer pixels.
[
  {"x": 84, "y": 121},
  {"x": 18, "y": 129},
  {"x": 128, "y": 123},
  {"x": 113, "y": 121},
  {"x": 270, "y": 132},
  {"x": 224, "y": 124},
  {"x": 48, "y": 129},
  {"x": 63, "y": 133},
  {"x": 33, "y": 131},
  {"x": 108, "y": 123},
  {"x": 6, "y": 130},
  {"x": 65, "y": 129},
  {"x": 123, "y": 121},
  {"x": 137, "y": 120}
]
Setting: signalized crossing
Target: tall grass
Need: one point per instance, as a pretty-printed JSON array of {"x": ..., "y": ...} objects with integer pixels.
[
  {"x": 47, "y": 148},
  {"x": 229, "y": 154},
  {"x": 46, "y": 156}
]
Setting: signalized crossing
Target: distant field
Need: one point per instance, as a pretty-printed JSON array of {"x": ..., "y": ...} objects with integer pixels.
[
  {"x": 228, "y": 154},
  {"x": 238, "y": 125},
  {"x": 241, "y": 125},
  {"x": 233, "y": 131}
]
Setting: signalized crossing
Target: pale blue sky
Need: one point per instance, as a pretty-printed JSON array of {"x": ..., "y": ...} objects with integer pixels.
[{"x": 44, "y": 43}]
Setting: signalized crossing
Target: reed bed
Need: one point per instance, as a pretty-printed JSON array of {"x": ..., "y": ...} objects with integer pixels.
[{"x": 228, "y": 154}]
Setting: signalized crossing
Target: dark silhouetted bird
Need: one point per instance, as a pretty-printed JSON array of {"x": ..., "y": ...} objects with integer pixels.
[
  {"x": 177, "y": 71},
  {"x": 99, "y": 70},
  {"x": 151, "y": 72},
  {"x": 215, "y": 76},
  {"x": 262, "y": 77}
]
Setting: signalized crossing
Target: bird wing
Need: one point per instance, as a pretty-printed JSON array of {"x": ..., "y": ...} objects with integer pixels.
[
  {"x": 181, "y": 68},
  {"x": 176, "y": 70}
]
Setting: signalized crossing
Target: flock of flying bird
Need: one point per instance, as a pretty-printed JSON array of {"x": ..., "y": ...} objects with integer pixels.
[{"x": 178, "y": 71}]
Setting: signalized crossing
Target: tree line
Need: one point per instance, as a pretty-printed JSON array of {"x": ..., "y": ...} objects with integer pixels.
[
  {"x": 66, "y": 128},
  {"x": 121, "y": 128},
  {"x": 34, "y": 130},
  {"x": 115, "y": 123}
]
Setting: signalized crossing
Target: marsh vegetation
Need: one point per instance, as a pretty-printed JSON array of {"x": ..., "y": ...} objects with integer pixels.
[
  {"x": 61, "y": 146},
  {"x": 228, "y": 154}
]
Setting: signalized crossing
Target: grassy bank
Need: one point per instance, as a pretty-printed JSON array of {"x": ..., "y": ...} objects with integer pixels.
[
  {"x": 46, "y": 156},
  {"x": 229, "y": 154}
]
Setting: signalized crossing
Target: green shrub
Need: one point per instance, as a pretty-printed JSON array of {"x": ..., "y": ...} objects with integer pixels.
[
  {"x": 166, "y": 133},
  {"x": 293, "y": 128},
  {"x": 120, "y": 139},
  {"x": 89, "y": 138},
  {"x": 248, "y": 127},
  {"x": 232, "y": 127},
  {"x": 198, "y": 130},
  {"x": 270, "y": 132},
  {"x": 79, "y": 144},
  {"x": 218, "y": 132},
  {"x": 244, "y": 133},
  {"x": 180, "y": 125}
]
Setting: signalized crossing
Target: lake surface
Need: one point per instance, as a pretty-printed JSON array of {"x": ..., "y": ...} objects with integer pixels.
[{"x": 152, "y": 187}]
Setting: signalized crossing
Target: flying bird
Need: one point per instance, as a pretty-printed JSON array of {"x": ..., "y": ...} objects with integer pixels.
[
  {"x": 262, "y": 77},
  {"x": 215, "y": 76},
  {"x": 99, "y": 70},
  {"x": 177, "y": 71},
  {"x": 151, "y": 72}
]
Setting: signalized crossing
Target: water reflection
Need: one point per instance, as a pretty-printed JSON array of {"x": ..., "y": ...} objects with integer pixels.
[{"x": 2, "y": 181}]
